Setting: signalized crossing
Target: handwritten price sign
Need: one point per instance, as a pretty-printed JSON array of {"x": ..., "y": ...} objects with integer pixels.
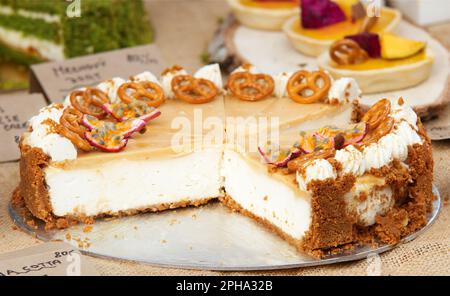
[
  {"x": 46, "y": 259},
  {"x": 57, "y": 79},
  {"x": 15, "y": 110}
]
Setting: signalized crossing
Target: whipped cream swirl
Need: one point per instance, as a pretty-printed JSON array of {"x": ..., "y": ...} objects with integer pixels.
[
  {"x": 401, "y": 111},
  {"x": 281, "y": 81},
  {"x": 319, "y": 169},
  {"x": 110, "y": 87},
  {"x": 344, "y": 90},
  {"x": 352, "y": 160},
  {"x": 212, "y": 73},
  {"x": 57, "y": 147}
]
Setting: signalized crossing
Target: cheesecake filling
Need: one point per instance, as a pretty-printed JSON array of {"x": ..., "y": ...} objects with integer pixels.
[
  {"x": 108, "y": 189},
  {"x": 266, "y": 197}
]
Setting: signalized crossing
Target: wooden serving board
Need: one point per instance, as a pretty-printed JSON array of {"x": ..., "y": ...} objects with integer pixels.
[{"x": 272, "y": 52}]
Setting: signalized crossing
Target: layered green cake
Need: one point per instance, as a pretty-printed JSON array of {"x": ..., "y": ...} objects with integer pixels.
[{"x": 37, "y": 30}]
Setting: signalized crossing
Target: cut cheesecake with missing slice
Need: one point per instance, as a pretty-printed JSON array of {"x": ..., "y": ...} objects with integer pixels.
[
  {"x": 148, "y": 144},
  {"x": 369, "y": 182}
]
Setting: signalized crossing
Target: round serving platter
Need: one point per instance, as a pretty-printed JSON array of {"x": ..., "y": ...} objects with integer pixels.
[{"x": 209, "y": 237}]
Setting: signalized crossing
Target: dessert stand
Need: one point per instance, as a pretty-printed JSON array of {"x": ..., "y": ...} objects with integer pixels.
[
  {"x": 272, "y": 52},
  {"x": 209, "y": 238}
]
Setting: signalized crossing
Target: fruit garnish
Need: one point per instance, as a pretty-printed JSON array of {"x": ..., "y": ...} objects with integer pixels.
[
  {"x": 396, "y": 47},
  {"x": 89, "y": 101},
  {"x": 341, "y": 138},
  {"x": 320, "y": 13},
  {"x": 355, "y": 134},
  {"x": 315, "y": 142},
  {"x": 250, "y": 87},
  {"x": 111, "y": 144},
  {"x": 111, "y": 136},
  {"x": 282, "y": 158},
  {"x": 123, "y": 111},
  {"x": 306, "y": 87},
  {"x": 146, "y": 91},
  {"x": 370, "y": 42},
  {"x": 347, "y": 52},
  {"x": 377, "y": 114}
]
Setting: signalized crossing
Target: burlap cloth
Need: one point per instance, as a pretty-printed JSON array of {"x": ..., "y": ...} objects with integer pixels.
[{"x": 183, "y": 29}]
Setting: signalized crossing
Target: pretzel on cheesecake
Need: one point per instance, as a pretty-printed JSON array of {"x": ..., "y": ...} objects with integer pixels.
[
  {"x": 146, "y": 91},
  {"x": 379, "y": 121},
  {"x": 193, "y": 90},
  {"x": 89, "y": 101},
  {"x": 304, "y": 81},
  {"x": 71, "y": 128},
  {"x": 250, "y": 87}
]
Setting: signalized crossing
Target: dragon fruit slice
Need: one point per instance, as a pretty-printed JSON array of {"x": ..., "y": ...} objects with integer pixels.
[
  {"x": 320, "y": 13},
  {"x": 370, "y": 42}
]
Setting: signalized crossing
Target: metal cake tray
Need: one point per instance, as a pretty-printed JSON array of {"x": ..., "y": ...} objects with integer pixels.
[{"x": 209, "y": 237}]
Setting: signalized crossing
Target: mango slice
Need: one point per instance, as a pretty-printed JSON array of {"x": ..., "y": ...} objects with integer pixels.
[{"x": 396, "y": 47}]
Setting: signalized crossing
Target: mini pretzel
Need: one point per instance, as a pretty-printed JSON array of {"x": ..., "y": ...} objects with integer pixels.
[
  {"x": 89, "y": 101},
  {"x": 70, "y": 128},
  {"x": 377, "y": 114},
  {"x": 304, "y": 80},
  {"x": 147, "y": 91},
  {"x": 193, "y": 90},
  {"x": 250, "y": 87},
  {"x": 347, "y": 52}
]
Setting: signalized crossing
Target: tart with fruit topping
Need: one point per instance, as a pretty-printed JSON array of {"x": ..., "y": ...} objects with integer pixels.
[
  {"x": 107, "y": 151},
  {"x": 379, "y": 62},
  {"x": 264, "y": 14},
  {"x": 322, "y": 22}
]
